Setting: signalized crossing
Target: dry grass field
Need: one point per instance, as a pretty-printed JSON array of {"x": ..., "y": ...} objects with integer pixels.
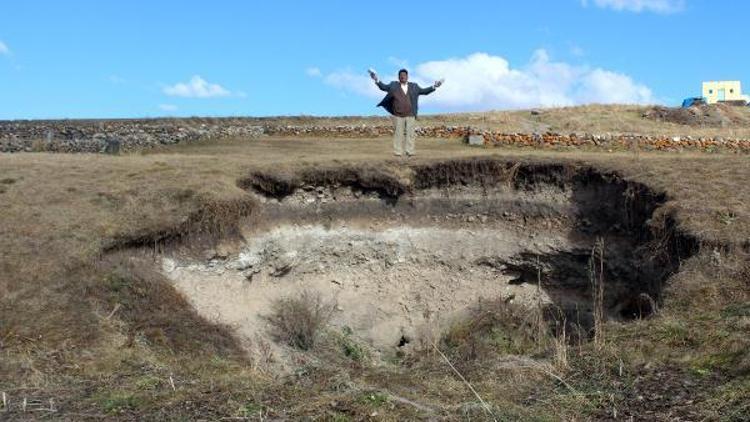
[{"x": 89, "y": 330}]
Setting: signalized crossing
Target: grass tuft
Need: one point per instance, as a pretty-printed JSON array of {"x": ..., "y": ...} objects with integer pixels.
[
  {"x": 492, "y": 328},
  {"x": 297, "y": 321}
]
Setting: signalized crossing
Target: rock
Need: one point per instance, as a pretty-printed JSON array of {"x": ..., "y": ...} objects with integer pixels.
[
  {"x": 475, "y": 140},
  {"x": 169, "y": 265},
  {"x": 112, "y": 146},
  {"x": 716, "y": 257},
  {"x": 209, "y": 254},
  {"x": 245, "y": 261},
  {"x": 249, "y": 274},
  {"x": 285, "y": 264}
]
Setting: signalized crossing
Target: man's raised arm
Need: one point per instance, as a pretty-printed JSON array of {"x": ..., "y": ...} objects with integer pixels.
[
  {"x": 431, "y": 89},
  {"x": 381, "y": 85},
  {"x": 426, "y": 91}
]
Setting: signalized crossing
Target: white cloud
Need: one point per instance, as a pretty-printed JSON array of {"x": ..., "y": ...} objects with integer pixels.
[
  {"x": 348, "y": 81},
  {"x": 4, "y": 50},
  {"x": 481, "y": 81},
  {"x": 603, "y": 86},
  {"x": 115, "y": 79},
  {"x": 168, "y": 107},
  {"x": 196, "y": 88},
  {"x": 401, "y": 63},
  {"x": 577, "y": 51},
  {"x": 638, "y": 6},
  {"x": 313, "y": 72}
]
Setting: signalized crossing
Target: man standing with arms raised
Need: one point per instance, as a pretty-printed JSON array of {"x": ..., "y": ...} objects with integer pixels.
[{"x": 402, "y": 101}]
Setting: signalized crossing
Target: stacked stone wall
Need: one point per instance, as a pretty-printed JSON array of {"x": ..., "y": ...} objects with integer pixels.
[{"x": 99, "y": 136}]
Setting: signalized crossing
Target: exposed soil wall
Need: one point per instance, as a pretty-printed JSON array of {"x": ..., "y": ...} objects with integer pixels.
[{"x": 600, "y": 205}]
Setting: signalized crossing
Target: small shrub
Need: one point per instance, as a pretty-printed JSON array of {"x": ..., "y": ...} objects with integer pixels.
[
  {"x": 736, "y": 310},
  {"x": 353, "y": 350},
  {"x": 39, "y": 145},
  {"x": 117, "y": 403},
  {"x": 375, "y": 399},
  {"x": 492, "y": 327},
  {"x": 674, "y": 333},
  {"x": 148, "y": 383},
  {"x": 297, "y": 321},
  {"x": 350, "y": 347},
  {"x": 596, "y": 278},
  {"x": 560, "y": 347},
  {"x": 251, "y": 409}
]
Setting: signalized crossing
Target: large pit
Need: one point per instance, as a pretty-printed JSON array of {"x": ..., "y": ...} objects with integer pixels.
[{"x": 400, "y": 251}]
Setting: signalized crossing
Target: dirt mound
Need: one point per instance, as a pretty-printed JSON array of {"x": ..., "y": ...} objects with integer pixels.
[{"x": 713, "y": 115}]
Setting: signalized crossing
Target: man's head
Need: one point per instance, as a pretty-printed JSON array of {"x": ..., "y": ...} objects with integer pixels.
[{"x": 403, "y": 76}]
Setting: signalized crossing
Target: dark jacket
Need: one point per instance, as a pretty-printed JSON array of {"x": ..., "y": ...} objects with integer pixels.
[{"x": 414, "y": 92}]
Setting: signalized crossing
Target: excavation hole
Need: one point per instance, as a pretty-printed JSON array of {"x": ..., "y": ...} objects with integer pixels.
[{"x": 398, "y": 259}]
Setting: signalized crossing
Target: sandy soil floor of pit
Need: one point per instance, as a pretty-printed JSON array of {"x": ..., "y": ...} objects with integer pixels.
[{"x": 388, "y": 283}]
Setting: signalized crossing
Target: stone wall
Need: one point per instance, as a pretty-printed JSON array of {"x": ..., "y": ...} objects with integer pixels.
[
  {"x": 130, "y": 135},
  {"x": 614, "y": 141}
]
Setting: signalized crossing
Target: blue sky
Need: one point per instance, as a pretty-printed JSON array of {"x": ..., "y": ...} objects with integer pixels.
[{"x": 80, "y": 59}]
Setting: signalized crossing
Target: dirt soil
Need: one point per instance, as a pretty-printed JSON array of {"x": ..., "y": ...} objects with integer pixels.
[
  {"x": 392, "y": 270},
  {"x": 714, "y": 115}
]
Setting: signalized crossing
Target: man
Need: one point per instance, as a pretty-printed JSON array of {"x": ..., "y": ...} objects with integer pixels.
[{"x": 402, "y": 101}]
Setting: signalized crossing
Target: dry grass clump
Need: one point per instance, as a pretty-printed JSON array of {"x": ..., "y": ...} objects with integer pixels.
[
  {"x": 129, "y": 290},
  {"x": 492, "y": 328},
  {"x": 297, "y": 320},
  {"x": 596, "y": 278}
]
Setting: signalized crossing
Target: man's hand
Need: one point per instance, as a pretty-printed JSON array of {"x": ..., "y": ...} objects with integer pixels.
[
  {"x": 438, "y": 83},
  {"x": 373, "y": 75}
]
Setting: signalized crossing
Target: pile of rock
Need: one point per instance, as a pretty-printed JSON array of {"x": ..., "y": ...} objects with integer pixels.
[{"x": 704, "y": 115}]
